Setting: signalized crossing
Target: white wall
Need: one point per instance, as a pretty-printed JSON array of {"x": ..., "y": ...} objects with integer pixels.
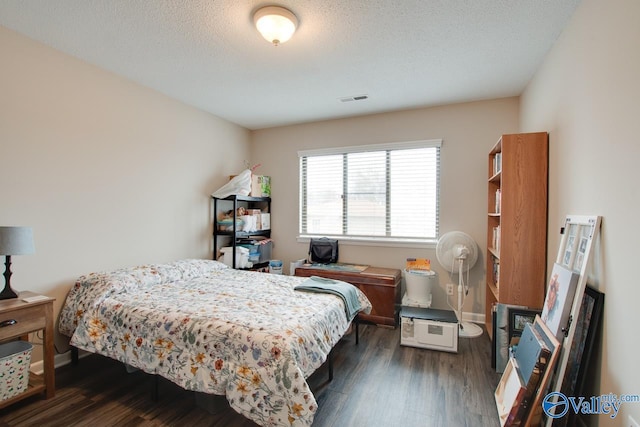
[
  {"x": 108, "y": 173},
  {"x": 586, "y": 95},
  {"x": 468, "y": 132}
]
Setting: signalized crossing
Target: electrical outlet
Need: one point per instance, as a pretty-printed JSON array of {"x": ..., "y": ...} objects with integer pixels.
[
  {"x": 632, "y": 422},
  {"x": 449, "y": 288}
]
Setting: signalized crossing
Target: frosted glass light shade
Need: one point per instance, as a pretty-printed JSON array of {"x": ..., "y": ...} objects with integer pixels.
[{"x": 276, "y": 24}]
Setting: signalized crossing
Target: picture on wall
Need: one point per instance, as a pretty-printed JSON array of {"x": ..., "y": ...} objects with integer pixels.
[{"x": 557, "y": 304}]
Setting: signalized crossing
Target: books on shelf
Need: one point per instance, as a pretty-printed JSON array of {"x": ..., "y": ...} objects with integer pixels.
[
  {"x": 497, "y": 163},
  {"x": 495, "y": 243},
  {"x": 496, "y": 272},
  {"x": 498, "y": 200}
]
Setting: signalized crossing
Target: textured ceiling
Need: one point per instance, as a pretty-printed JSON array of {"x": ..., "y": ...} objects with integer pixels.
[{"x": 402, "y": 54}]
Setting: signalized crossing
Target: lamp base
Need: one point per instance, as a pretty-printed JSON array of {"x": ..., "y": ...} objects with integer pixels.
[{"x": 7, "y": 292}]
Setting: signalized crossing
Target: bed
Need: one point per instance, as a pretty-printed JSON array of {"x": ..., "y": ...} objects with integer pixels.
[{"x": 209, "y": 328}]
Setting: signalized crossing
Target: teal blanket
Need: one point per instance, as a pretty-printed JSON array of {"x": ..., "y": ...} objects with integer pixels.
[{"x": 344, "y": 290}]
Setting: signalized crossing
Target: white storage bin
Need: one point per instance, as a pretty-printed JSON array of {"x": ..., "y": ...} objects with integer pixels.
[
  {"x": 15, "y": 360},
  {"x": 242, "y": 256},
  {"x": 429, "y": 328},
  {"x": 275, "y": 266},
  {"x": 265, "y": 221}
]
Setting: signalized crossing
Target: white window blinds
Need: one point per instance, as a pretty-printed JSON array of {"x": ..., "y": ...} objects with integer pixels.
[{"x": 386, "y": 191}]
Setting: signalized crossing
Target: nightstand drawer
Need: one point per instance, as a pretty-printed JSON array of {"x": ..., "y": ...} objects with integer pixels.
[{"x": 26, "y": 320}]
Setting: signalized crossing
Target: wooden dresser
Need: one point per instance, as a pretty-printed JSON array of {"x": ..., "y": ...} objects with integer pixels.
[{"x": 380, "y": 285}]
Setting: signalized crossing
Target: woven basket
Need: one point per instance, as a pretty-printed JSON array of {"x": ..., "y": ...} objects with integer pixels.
[{"x": 15, "y": 359}]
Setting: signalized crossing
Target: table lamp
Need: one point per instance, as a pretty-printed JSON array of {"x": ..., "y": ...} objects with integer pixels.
[{"x": 14, "y": 241}]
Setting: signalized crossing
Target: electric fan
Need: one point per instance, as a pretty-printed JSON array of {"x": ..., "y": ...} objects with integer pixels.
[{"x": 457, "y": 252}]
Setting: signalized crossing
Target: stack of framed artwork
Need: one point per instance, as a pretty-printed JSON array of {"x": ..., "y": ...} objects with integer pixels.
[
  {"x": 563, "y": 330},
  {"x": 508, "y": 324},
  {"x": 526, "y": 373},
  {"x": 578, "y": 235}
]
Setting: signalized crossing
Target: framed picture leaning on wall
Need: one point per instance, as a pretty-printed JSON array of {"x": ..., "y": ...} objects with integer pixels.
[
  {"x": 518, "y": 318},
  {"x": 587, "y": 328},
  {"x": 559, "y": 300}
]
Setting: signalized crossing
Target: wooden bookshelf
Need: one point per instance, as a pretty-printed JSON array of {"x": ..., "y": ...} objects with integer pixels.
[{"x": 516, "y": 221}]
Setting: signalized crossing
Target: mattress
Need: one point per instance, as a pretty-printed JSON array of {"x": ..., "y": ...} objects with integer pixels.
[{"x": 209, "y": 328}]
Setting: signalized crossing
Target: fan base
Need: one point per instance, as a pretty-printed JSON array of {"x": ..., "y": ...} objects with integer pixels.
[{"x": 469, "y": 330}]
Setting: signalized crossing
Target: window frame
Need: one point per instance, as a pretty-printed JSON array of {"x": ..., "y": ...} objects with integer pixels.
[{"x": 386, "y": 241}]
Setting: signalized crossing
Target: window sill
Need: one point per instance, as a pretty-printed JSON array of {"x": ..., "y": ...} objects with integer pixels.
[{"x": 373, "y": 241}]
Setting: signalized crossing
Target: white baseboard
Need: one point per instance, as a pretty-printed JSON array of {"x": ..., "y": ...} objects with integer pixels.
[
  {"x": 473, "y": 317},
  {"x": 58, "y": 361}
]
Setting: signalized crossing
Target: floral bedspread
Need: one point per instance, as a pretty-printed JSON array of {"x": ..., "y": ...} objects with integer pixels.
[{"x": 212, "y": 329}]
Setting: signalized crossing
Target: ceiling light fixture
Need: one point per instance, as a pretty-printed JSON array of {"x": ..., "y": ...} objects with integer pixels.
[{"x": 275, "y": 23}]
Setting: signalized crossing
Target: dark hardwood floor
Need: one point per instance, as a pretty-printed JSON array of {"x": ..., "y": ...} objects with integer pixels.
[{"x": 376, "y": 384}]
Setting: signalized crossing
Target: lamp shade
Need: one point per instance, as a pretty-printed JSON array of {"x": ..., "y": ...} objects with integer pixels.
[
  {"x": 275, "y": 23},
  {"x": 16, "y": 241}
]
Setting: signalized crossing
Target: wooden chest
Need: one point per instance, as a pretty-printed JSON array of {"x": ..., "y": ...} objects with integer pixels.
[{"x": 380, "y": 285}]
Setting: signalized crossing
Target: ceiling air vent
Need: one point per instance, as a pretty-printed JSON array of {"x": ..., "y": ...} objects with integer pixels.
[{"x": 354, "y": 98}]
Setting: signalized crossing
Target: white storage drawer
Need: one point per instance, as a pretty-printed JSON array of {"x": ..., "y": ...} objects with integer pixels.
[{"x": 427, "y": 333}]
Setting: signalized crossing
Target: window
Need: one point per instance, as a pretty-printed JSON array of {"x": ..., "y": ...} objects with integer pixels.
[{"x": 386, "y": 192}]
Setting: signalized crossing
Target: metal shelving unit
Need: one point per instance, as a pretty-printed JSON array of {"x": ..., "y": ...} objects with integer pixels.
[{"x": 233, "y": 203}]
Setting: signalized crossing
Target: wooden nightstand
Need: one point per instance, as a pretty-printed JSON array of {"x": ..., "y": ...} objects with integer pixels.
[
  {"x": 21, "y": 318},
  {"x": 380, "y": 285}
]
